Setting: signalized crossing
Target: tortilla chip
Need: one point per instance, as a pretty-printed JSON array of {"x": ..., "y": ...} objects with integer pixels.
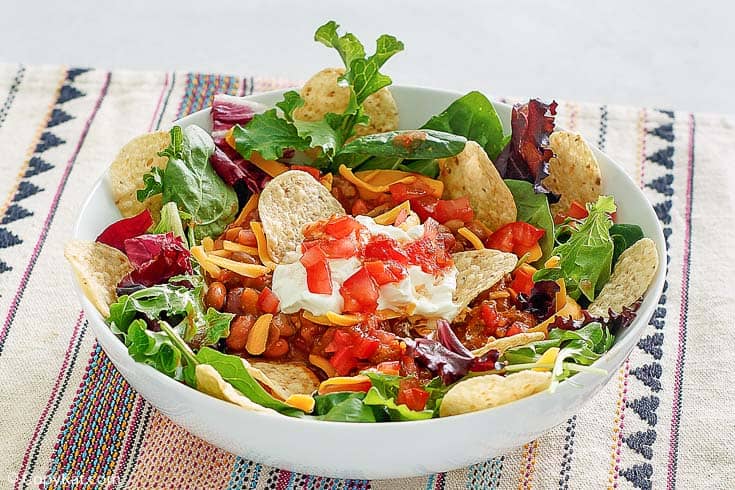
[
  {"x": 573, "y": 172},
  {"x": 633, "y": 273},
  {"x": 134, "y": 160},
  {"x": 209, "y": 381},
  {"x": 478, "y": 271},
  {"x": 287, "y": 203},
  {"x": 286, "y": 378},
  {"x": 492, "y": 390},
  {"x": 98, "y": 268},
  {"x": 471, "y": 174},
  {"x": 321, "y": 95},
  {"x": 503, "y": 344}
]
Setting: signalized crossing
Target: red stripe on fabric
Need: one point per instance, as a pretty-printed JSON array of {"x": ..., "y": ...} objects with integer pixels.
[
  {"x": 158, "y": 104},
  {"x": 52, "y": 398},
  {"x": 50, "y": 217},
  {"x": 683, "y": 315},
  {"x": 284, "y": 477}
]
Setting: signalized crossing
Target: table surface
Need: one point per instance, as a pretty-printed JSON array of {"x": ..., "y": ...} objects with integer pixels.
[{"x": 626, "y": 52}]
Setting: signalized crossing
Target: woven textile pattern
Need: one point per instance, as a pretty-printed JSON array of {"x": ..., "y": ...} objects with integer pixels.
[{"x": 69, "y": 419}]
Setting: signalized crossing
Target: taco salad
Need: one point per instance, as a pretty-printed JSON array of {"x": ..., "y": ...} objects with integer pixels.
[{"x": 313, "y": 260}]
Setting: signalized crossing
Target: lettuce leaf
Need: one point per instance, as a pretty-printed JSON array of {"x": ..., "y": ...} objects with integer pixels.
[
  {"x": 232, "y": 370},
  {"x": 585, "y": 259}
]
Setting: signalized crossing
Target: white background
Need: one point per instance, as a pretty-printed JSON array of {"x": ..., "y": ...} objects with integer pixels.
[{"x": 661, "y": 54}]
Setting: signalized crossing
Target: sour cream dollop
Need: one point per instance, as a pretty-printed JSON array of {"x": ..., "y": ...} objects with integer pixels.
[{"x": 424, "y": 294}]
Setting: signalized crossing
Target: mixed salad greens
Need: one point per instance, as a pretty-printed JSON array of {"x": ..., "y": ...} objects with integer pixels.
[{"x": 301, "y": 260}]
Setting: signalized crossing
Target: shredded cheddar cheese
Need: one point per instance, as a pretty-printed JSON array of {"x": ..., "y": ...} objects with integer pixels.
[
  {"x": 323, "y": 364},
  {"x": 246, "y": 210},
  {"x": 247, "y": 270},
  {"x": 472, "y": 238},
  {"x": 200, "y": 255},
  {"x": 236, "y": 247},
  {"x": 265, "y": 257},
  {"x": 271, "y": 167},
  {"x": 303, "y": 402},
  {"x": 389, "y": 217}
]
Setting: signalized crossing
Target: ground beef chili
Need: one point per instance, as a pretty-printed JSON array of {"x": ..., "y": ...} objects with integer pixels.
[{"x": 495, "y": 313}]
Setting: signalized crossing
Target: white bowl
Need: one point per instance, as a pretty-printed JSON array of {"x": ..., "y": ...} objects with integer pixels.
[{"x": 382, "y": 450}]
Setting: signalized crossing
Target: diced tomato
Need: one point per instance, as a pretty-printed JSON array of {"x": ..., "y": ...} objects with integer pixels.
[
  {"x": 360, "y": 293},
  {"x": 359, "y": 207},
  {"x": 451, "y": 209},
  {"x": 365, "y": 348},
  {"x": 384, "y": 248},
  {"x": 401, "y": 191},
  {"x": 267, "y": 301},
  {"x": 385, "y": 272},
  {"x": 341, "y": 339},
  {"x": 311, "y": 256},
  {"x": 489, "y": 318},
  {"x": 518, "y": 237},
  {"x": 424, "y": 206},
  {"x": 341, "y": 226},
  {"x": 389, "y": 367},
  {"x": 339, "y": 248},
  {"x": 408, "y": 366},
  {"x": 318, "y": 277},
  {"x": 307, "y": 244},
  {"x": 577, "y": 210},
  {"x": 411, "y": 394},
  {"x": 430, "y": 251},
  {"x": 522, "y": 280},
  {"x": 314, "y": 172},
  {"x": 343, "y": 362},
  {"x": 514, "y": 329}
]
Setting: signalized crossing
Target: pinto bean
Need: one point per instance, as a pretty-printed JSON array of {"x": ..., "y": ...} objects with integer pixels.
[
  {"x": 216, "y": 295},
  {"x": 277, "y": 349},
  {"x": 239, "y": 330}
]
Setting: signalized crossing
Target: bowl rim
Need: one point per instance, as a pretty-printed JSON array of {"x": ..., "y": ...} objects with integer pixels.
[{"x": 580, "y": 380}]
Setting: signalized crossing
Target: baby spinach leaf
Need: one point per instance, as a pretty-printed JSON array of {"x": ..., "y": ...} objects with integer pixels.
[
  {"x": 232, "y": 370},
  {"x": 472, "y": 116},
  {"x": 190, "y": 181},
  {"x": 586, "y": 257},
  {"x": 623, "y": 236},
  {"x": 407, "y": 144},
  {"x": 346, "y": 406},
  {"x": 534, "y": 209}
]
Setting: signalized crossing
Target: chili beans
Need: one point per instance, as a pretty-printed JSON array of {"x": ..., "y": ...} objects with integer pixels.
[
  {"x": 239, "y": 330},
  {"x": 277, "y": 349},
  {"x": 216, "y": 295},
  {"x": 249, "y": 301}
]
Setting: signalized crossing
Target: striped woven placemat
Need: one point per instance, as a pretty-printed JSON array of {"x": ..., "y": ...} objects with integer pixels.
[{"x": 69, "y": 419}]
